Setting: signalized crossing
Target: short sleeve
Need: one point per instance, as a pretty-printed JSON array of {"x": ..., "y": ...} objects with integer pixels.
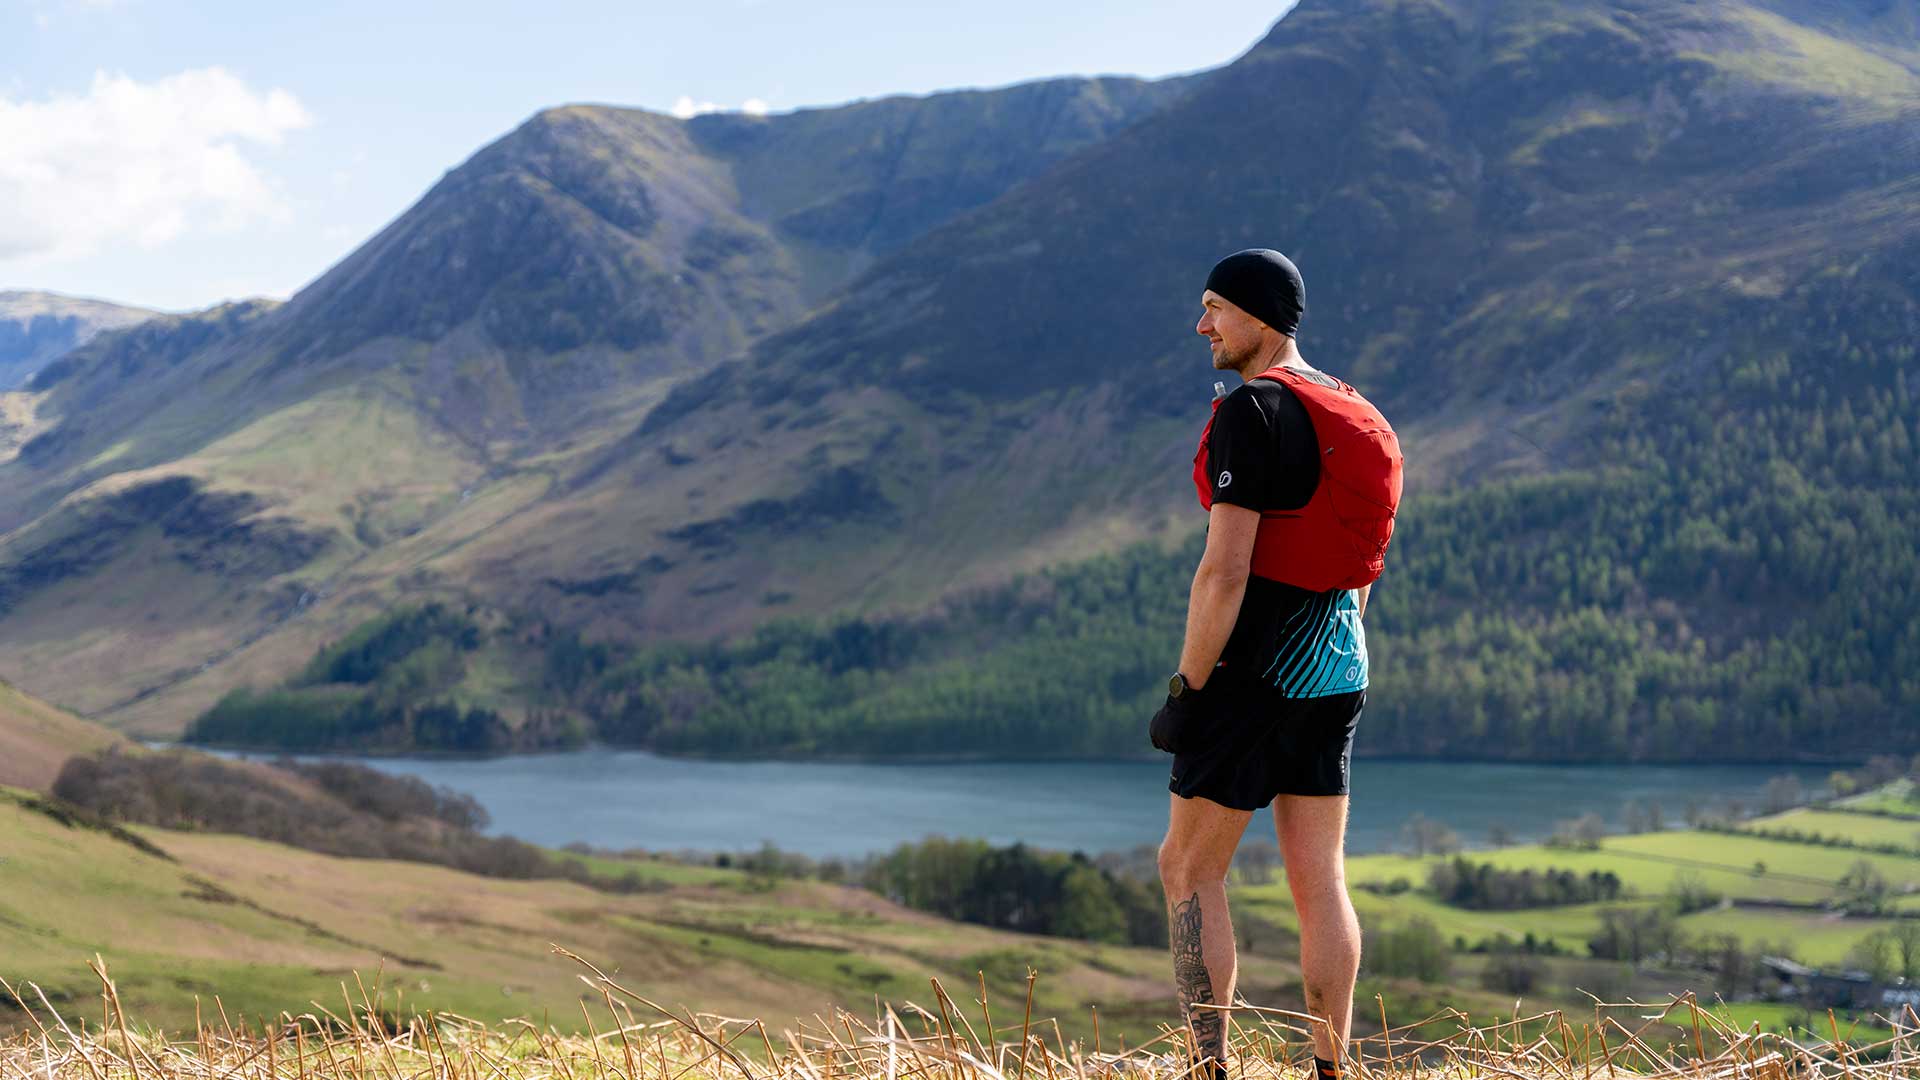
[{"x": 1240, "y": 453}]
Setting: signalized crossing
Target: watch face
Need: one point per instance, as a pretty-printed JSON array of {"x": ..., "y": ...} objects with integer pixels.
[{"x": 1176, "y": 685}]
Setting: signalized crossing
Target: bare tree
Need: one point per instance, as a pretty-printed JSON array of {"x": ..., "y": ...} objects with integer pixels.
[
  {"x": 1254, "y": 863},
  {"x": 1782, "y": 793},
  {"x": 1584, "y": 832},
  {"x": 1428, "y": 837},
  {"x": 1634, "y": 818}
]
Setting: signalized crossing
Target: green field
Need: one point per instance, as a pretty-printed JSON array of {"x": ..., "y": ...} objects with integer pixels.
[
  {"x": 1737, "y": 866},
  {"x": 1795, "y": 1021},
  {"x": 1857, "y": 828},
  {"x": 1785, "y": 863},
  {"x": 1647, "y": 864},
  {"x": 1898, "y": 797}
]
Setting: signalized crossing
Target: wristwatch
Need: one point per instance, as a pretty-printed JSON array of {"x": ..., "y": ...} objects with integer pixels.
[{"x": 1178, "y": 686}]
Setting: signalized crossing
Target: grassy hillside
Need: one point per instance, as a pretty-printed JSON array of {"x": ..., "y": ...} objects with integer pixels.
[
  {"x": 268, "y": 927},
  {"x": 36, "y": 738},
  {"x": 265, "y": 927}
]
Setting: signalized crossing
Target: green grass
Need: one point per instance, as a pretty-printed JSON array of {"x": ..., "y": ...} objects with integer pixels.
[
  {"x": 1898, "y": 797},
  {"x": 1647, "y": 873},
  {"x": 1801, "y": 58},
  {"x": 1794, "y": 1020},
  {"x": 1857, "y": 828},
  {"x": 660, "y": 871},
  {"x": 1814, "y": 938},
  {"x": 1647, "y": 864},
  {"x": 1785, "y": 862},
  {"x": 267, "y": 927},
  {"x": 842, "y": 970},
  {"x": 1575, "y": 122}
]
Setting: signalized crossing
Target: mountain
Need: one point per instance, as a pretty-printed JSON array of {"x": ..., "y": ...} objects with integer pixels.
[
  {"x": 271, "y": 474},
  {"x": 1635, "y": 281},
  {"x": 1569, "y": 253},
  {"x": 1499, "y": 214},
  {"x": 36, "y": 327}
]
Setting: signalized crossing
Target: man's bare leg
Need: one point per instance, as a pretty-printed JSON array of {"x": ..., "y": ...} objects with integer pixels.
[
  {"x": 1201, "y": 836},
  {"x": 1312, "y": 831}
]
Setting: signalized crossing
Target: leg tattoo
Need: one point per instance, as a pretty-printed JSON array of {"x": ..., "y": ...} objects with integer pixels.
[{"x": 1193, "y": 985}]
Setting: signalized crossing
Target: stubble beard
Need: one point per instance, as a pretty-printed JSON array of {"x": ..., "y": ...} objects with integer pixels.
[{"x": 1227, "y": 359}]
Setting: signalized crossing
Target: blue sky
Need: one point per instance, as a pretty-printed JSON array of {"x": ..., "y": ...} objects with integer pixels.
[{"x": 177, "y": 154}]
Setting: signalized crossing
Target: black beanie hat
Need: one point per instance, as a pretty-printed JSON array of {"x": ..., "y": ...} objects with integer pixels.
[{"x": 1265, "y": 284}]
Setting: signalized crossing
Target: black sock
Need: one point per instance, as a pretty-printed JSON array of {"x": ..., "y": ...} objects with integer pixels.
[
  {"x": 1324, "y": 1069},
  {"x": 1216, "y": 1069}
]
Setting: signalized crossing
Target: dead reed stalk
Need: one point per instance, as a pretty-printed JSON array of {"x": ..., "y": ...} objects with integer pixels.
[{"x": 1675, "y": 1040}]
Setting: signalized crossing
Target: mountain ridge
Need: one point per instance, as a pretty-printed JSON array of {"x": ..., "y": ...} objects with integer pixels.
[
  {"x": 37, "y": 327},
  {"x": 477, "y": 413},
  {"x": 1514, "y": 225}
]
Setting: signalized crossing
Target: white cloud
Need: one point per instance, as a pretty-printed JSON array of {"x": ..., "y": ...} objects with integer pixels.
[
  {"x": 138, "y": 162},
  {"x": 686, "y": 108}
]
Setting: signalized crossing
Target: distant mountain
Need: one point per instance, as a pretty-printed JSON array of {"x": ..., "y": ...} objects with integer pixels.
[
  {"x": 36, "y": 327},
  {"x": 1635, "y": 281},
  {"x": 524, "y": 313}
]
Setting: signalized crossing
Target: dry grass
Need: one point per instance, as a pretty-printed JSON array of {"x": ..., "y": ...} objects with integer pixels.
[{"x": 632, "y": 1038}]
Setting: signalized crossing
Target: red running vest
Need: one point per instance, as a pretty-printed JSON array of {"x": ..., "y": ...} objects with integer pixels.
[{"x": 1339, "y": 539}]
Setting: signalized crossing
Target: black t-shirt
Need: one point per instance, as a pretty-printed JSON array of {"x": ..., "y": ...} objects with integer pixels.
[
  {"x": 1262, "y": 455},
  {"x": 1261, "y": 451}
]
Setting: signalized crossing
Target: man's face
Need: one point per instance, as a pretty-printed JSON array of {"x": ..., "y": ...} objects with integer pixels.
[{"x": 1234, "y": 334}]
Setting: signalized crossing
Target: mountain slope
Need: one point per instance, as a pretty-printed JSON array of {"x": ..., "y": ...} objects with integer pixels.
[
  {"x": 37, "y": 327},
  {"x": 271, "y": 927},
  {"x": 1481, "y": 220},
  {"x": 1602, "y": 263},
  {"x": 845, "y": 185},
  {"x": 37, "y": 738},
  {"x": 181, "y": 493},
  {"x": 1607, "y": 268}
]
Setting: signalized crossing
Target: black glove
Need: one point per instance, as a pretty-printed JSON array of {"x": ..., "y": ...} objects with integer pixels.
[{"x": 1178, "y": 723}]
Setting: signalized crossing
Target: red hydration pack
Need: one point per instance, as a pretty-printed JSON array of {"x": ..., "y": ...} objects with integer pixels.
[{"x": 1339, "y": 539}]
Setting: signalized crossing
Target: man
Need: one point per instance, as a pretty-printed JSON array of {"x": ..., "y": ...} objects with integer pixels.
[{"x": 1301, "y": 477}]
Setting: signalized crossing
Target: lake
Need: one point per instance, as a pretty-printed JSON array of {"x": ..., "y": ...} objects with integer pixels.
[{"x": 632, "y": 799}]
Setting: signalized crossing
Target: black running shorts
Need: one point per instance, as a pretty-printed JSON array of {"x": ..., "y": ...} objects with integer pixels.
[{"x": 1256, "y": 744}]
